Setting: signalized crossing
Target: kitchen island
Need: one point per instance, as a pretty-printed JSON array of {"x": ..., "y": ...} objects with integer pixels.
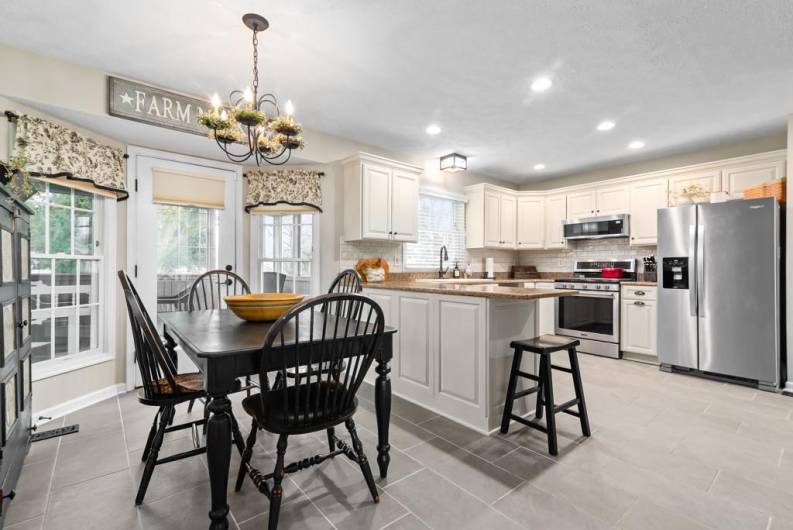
[{"x": 451, "y": 354}]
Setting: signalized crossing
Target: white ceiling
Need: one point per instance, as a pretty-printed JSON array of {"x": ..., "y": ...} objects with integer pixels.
[{"x": 676, "y": 74}]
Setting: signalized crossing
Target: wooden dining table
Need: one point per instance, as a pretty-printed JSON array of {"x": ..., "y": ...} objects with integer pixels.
[{"x": 226, "y": 348}]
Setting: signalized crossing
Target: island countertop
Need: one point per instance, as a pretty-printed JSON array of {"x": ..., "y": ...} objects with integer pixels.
[{"x": 478, "y": 290}]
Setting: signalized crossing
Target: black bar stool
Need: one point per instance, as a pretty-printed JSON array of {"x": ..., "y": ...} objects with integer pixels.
[{"x": 544, "y": 346}]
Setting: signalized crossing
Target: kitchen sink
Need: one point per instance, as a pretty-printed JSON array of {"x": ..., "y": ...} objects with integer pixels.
[{"x": 455, "y": 280}]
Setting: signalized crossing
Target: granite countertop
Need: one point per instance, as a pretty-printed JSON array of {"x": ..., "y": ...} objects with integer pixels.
[
  {"x": 484, "y": 290},
  {"x": 644, "y": 283}
]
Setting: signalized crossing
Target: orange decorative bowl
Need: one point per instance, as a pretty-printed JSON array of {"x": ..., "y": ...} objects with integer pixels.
[{"x": 262, "y": 307}]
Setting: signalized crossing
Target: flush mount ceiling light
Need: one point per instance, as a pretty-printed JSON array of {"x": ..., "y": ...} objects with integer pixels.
[
  {"x": 433, "y": 129},
  {"x": 242, "y": 128},
  {"x": 539, "y": 167},
  {"x": 454, "y": 162},
  {"x": 541, "y": 84},
  {"x": 605, "y": 125},
  {"x": 636, "y": 144}
]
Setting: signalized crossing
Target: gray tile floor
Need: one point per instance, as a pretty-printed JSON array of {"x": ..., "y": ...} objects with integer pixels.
[{"x": 667, "y": 451}]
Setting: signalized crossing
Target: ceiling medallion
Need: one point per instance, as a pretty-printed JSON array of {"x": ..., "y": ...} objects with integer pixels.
[{"x": 243, "y": 129}]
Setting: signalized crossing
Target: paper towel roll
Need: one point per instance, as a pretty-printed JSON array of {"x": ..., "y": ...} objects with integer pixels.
[{"x": 489, "y": 268}]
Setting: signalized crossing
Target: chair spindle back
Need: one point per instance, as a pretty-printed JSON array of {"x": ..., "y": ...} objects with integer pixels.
[{"x": 209, "y": 289}]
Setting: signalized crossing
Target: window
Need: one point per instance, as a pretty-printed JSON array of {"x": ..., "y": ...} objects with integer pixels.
[
  {"x": 67, "y": 258},
  {"x": 285, "y": 256},
  {"x": 188, "y": 239},
  {"x": 441, "y": 222}
]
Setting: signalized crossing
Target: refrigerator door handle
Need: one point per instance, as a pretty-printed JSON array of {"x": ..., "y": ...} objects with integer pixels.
[
  {"x": 701, "y": 270},
  {"x": 692, "y": 276}
]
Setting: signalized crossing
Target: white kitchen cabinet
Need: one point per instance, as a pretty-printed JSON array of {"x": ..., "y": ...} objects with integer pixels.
[
  {"x": 737, "y": 177},
  {"x": 581, "y": 204},
  {"x": 546, "y": 308},
  {"x": 490, "y": 218},
  {"x": 646, "y": 198},
  {"x": 638, "y": 327},
  {"x": 531, "y": 222},
  {"x": 555, "y": 214},
  {"x": 612, "y": 200},
  {"x": 380, "y": 199},
  {"x": 709, "y": 180}
]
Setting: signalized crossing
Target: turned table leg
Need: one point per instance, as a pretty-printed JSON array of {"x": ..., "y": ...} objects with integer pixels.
[
  {"x": 218, "y": 442},
  {"x": 382, "y": 404}
]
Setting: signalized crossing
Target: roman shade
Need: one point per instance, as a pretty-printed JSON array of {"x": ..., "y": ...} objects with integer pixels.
[
  {"x": 188, "y": 189},
  {"x": 282, "y": 191},
  {"x": 55, "y": 152}
]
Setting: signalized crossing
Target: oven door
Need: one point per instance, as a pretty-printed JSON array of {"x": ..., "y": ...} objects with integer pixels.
[{"x": 594, "y": 316}]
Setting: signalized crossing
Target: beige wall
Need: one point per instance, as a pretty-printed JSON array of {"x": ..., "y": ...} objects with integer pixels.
[
  {"x": 761, "y": 144},
  {"x": 789, "y": 257}
]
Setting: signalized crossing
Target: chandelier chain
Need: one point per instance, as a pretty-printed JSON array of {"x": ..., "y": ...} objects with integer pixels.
[{"x": 255, "y": 69}]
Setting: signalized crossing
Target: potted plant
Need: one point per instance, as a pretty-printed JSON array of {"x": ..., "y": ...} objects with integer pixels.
[{"x": 15, "y": 175}]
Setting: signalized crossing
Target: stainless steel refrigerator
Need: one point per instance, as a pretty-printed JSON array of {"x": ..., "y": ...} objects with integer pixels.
[{"x": 719, "y": 289}]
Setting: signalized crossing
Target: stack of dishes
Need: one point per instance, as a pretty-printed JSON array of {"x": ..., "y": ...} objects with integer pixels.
[{"x": 262, "y": 307}]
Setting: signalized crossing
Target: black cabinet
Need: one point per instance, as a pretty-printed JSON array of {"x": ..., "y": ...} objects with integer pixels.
[{"x": 15, "y": 340}]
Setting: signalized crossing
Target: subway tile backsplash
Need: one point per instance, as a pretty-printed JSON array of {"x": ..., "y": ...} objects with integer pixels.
[{"x": 563, "y": 260}]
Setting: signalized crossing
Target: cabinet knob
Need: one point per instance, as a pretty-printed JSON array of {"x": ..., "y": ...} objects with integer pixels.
[{"x": 638, "y": 302}]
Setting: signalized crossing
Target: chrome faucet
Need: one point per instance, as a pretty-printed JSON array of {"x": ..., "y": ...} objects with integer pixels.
[{"x": 444, "y": 256}]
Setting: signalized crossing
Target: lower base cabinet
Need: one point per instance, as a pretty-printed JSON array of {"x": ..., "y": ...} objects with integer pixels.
[
  {"x": 452, "y": 355},
  {"x": 639, "y": 314}
]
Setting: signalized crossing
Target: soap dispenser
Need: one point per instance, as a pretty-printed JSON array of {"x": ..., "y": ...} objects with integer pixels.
[{"x": 456, "y": 271}]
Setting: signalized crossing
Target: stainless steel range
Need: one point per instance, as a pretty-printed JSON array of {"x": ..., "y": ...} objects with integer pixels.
[{"x": 593, "y": 315}]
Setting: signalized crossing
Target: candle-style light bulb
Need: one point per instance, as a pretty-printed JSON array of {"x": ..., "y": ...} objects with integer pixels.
[
  {"x": 290, "y": 108},
  {"x": 247, "y": 95},
  {"x": 215, "y": 100},
  {"x": 224, "y": 115}
]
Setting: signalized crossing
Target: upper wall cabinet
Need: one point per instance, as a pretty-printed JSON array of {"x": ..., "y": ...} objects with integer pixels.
[
  {"x": 594, "y": 202},
  {"x": 555, "y": 214},
  {"x": 646, "y": 198},
  {"x": 490, "y": 217},
  {"x": 737, "y": 177},
  {"x": 381, "y": 199},
  {"x": 531, "y": 222},
  {"x": 709, "y": 180}
]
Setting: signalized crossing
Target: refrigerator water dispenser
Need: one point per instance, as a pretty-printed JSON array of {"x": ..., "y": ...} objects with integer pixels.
[{"x": 675, "y": 273}]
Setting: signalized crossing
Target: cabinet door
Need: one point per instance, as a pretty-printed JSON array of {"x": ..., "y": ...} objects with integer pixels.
[
  {"x": 376, "y": 199},
  {"x": 709, "y": 180},
  {"x": 555, "y": 214},
  {"x": 492, "y": 219},
  {"x": 531, "y": 222},
  {"x": 613, "y": 200},
  {"x": 508, "y": 221},
  {"x": 736, "y": 178},
  {"x": 581, "y": 204},
  {"x": 647, "y": 197},
  {"x": 638, "y": 333},
  {"x": 404, "y": 205},
  {"x": 416, "y": 337}
]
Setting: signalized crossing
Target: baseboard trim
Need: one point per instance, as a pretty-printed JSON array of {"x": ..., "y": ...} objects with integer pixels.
[
  {"x": 73, "y": 405},
  {"x": 788, "y": 388}
]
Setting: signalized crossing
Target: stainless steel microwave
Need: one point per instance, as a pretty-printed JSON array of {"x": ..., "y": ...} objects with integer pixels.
[{"x": 597, "y": 227}]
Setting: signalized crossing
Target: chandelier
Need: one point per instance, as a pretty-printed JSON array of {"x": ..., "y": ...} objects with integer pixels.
[{"x": 250, "y": 125}]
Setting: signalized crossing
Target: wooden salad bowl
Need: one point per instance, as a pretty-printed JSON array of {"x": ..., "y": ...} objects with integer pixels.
[{"x": 262, "y": 307}]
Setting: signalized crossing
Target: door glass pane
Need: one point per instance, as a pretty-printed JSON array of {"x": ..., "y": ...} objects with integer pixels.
[
  {"x": 42, "y": 336},
  {"x": 60, "y": 231},
  {"x": 10, "y": 399},
  {"x": 64, "y": 334},
  {"x": 7, "y": 248},
  {"x": 83, "y": 233},
  {"x": 65, "y": 281},
  {"x": 25, "y": 318},
  {"x": 9, "y": 329},
  {"x": 89, "y": 328},
  {"x": 24, "y": 259}
]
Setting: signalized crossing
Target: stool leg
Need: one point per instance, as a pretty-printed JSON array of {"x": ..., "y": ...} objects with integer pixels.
[
  {"x": 579, "y": 392},
  {"x": 540, "y": 391},
  {"x": 550, "y": 417},
  {"x": 513, "y": 380}
]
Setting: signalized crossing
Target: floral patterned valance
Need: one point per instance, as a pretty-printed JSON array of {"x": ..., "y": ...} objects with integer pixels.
[
  {"x": 282, "y": 190},
  {"x": 53, "y": 151}
]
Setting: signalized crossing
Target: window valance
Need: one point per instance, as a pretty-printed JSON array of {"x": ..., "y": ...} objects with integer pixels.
[
  {"x": 73, "y": 160},
  {"x": 283, "y": 190}
]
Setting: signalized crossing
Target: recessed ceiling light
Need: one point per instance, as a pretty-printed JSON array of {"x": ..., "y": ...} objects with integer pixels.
[
  {"x": 433, "y": 129},
  {"x": 636, "y": 144},
  {"x": 539, "y": 167},
  {"x": 541, "y": 84},
  {"x": 605, "y": 125}
]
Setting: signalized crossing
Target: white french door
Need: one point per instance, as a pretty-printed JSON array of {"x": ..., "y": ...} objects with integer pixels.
[{"x": 170, "y": 243}]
